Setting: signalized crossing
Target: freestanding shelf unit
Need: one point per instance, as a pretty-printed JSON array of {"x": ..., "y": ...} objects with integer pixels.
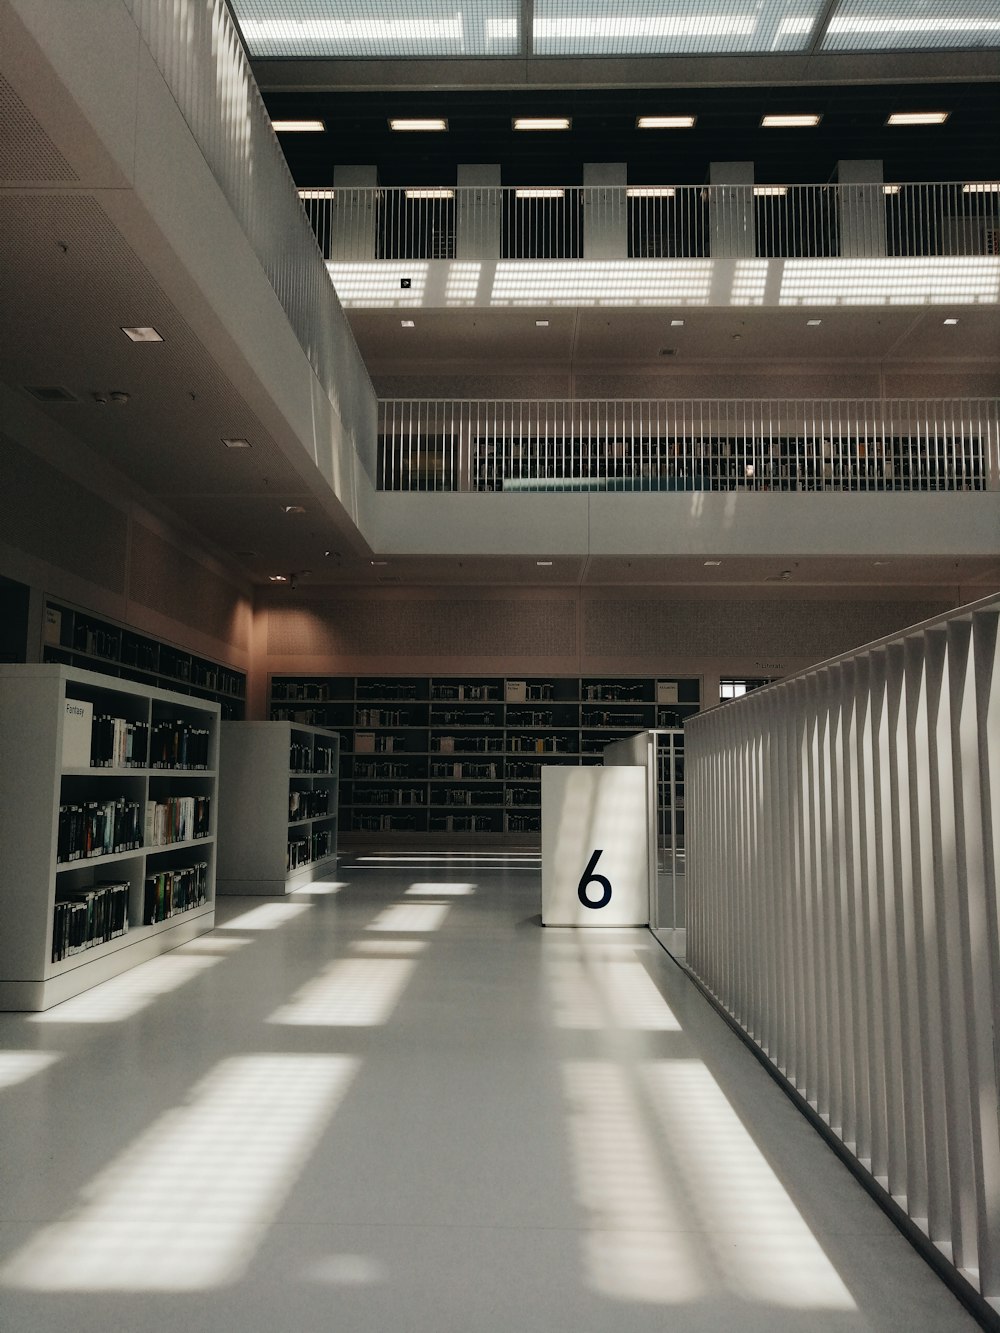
[
  {"x": 277, "y": 807},
  {"x": 45, "y": 770}
]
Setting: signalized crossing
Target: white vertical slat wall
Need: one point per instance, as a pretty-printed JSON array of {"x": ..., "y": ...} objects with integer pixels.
[{"x": 843, "y": 837}]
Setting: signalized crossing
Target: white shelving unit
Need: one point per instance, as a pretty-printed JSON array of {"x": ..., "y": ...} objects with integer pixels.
[
  {"x": 257, "y": 826},
  {"x": 39, "y": 773}
]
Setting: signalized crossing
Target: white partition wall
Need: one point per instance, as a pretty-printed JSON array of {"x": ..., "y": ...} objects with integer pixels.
[{"x": 843, "y": 837}]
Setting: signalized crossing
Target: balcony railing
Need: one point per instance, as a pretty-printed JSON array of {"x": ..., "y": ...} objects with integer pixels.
[
  {"x": 691, "y": 445},
  {"x": 656, "y": 222}
]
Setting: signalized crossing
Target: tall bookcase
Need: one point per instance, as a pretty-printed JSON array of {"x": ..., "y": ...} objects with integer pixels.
[
  {"x": 441, "y": 757},
  {"x": 278, "y": 806},
  {"x": 79, "y": 638},
  {"x": 93, "y": 769}
]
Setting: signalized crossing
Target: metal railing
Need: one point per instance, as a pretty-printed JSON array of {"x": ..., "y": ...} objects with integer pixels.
[
  {"x": 655, "y": 222},
  {"x": 690, "y": 445},
  {"x": 842, "y": 908}
]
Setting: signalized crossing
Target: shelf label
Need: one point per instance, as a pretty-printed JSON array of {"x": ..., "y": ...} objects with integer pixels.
[{"x": 78, "y": 724}]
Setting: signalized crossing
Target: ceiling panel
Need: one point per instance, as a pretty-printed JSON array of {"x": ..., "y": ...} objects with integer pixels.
[{"x": 909, "y": 25}]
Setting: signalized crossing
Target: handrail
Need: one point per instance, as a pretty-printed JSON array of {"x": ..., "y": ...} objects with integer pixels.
[
  {"x": 689, "y": 445},
  {"x": 363, "y": 223}
]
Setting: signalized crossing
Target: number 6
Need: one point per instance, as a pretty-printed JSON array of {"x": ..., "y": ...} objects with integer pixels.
[{"x": 588, "y": 877}]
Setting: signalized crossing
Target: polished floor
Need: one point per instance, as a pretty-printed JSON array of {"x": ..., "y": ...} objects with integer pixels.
[{"x": 395, "y": 1102}]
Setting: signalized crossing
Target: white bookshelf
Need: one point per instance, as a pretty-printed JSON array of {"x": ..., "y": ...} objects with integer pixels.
[
  {"x": 256, "y": 826},
  {"x": 39, "y": 773}
]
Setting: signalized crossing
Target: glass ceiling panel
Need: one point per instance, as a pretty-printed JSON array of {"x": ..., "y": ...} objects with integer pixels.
[
  {"x": 905, "y": 25},
  {"x": 672, "y": 27},
  {"x": 378, "y": 29}
]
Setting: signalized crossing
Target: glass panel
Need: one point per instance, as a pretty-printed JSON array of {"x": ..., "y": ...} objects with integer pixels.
[
  {"x": 894, "y": 25},
  {"x": 354, "y": 29},
  {"x": 652, "y": 27}
]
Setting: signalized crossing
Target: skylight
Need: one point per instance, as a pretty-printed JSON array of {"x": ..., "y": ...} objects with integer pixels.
[
  {"x": 896, "y": 25},
  {"x": 647, "y": 27}
]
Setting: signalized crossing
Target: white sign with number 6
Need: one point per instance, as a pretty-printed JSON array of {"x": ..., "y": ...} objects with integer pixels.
[{"x": 595, "y": 832}]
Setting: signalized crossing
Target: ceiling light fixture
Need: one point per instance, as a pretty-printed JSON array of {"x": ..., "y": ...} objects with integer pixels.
[
  {"x": 542, "y": 122},
  {"x": 789, "y": 122},
  {"x": 292, "y": 509},
  {"x": 541, "y": 323},
  {"x": 891, "y": 189},
  {"x": 676, "y": 323},
  {"x": 665, "y": 122},
  {"x": 318, "y": 193},
  {"x": 278, "y": 578},
  {"x": 770, "y": 191},
  {"x": 541, "y": 192},
  {"x": 543, "y": 563},
  {"x": 650, "y": 191},
  {"x": 142, "y": 335},
  {"x": 380, "y": 562},
  {"x": 951, "y": 321},
  {"x": 235, "y": 443},
  {"x": 298, "y": 126},
  {"x": 712, "y": 563},
  {"x": 918, "y": 118},
  {"x": 425, "y": 124},
  {"x": 813, "y": 323},
  {"x": 981, "y": 187},
  {"x": 430, "y": 194},
  {"x": 407, "y": 324}
]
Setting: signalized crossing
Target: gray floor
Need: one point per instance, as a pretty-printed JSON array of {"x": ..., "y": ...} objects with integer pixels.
[{"x": 400, "y": 1104}]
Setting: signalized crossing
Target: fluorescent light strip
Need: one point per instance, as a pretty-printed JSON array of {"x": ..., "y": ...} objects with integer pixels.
[
  {"x": 918, "y": 118},
  {"x": 665, "y": 122},
  {"x": 542, "y": 123},
  {"x": 650, "y": 192},
  {"x": 298, "y": 126},
  {"x": 413, "y": 126},
  {"x": 770, "y": 191},
  {"x": 430, "y": 194},
  {"x": 142, "y": 335},
  {"x": 891, "y": 189},
  {"x": 789, "y": 122},
  {"x": 981, "y": 187},
  {"x": 317, "y": 194},
  {"x": 543, "y": 192}
]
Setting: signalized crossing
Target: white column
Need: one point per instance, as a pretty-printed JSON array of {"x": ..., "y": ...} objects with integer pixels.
[
  {"x": 478, "y": 211},
  {"x": 605, "y": 216},
  {"x": 861, "y": 207},
  {"x": 731, "y": 208}
]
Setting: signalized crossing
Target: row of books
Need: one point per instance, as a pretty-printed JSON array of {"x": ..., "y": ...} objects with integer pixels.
[
  {"x": 300, "y": 690},
  {"x": 86, "y": 917},
  {"x": 475, "y": 693},
  {"x": 381, "y": 717},
  {"x": 98, "y": 828},
  {"x": 602, "y": 718},
  {"x": 308, "y": 804},
  {"x": 470, "y": 796},
  {"x": 523, "y": 823},
  {"x": 177, "y": 819},
  {"x": 441, "y": 768},
  {"x": 389, "y": 796},
  {"x": 177, "y": 743},
  {"x": 118, "y": 742},
  {"x": 170, "y": 892},
  {"x": 540, "y": 744},
  {"x": 365, "y": 822}
]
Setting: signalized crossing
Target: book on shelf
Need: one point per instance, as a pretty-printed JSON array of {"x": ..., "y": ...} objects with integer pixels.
[
  {"x": 170, "y": 892},
  {"x": 97, "y": 828},
  {"x": 86, "y": 917},
  {"x": 364, "y": 742},
  {"x": 177, "y": 743},
  {"x": 177, "y": 819}
]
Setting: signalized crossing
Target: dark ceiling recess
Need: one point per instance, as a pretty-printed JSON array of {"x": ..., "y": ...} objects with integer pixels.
[{"x": 728, "y": 128}]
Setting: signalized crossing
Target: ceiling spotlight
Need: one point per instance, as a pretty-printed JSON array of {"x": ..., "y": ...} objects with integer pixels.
[
  {"x": 298, "y": 126},
  {"x": 142, "y": 335},
  {"x": 918, "y": 118},
  {"x": 789, "y": 122},
  {"x": 665, "y": 122},
  {"x": 542, "y": 122},
  {"x": 236, "y": 443},
  {"x": 278, "y": 578},
  {"x": 416, "y": 125},
  {"x": 380, "y": 562}
]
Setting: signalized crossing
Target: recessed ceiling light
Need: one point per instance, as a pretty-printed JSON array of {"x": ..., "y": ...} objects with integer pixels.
[
  {"x": 713, "y": 562},
  {"x": 770, "y": 191},
  {"x": 430, "y": 194},
  {"x": 543, "y": 563},
  {"x": 665, "y": 122},
  {"x": 380, "y": 562},
  {"x": 951, "y": 321},
  {"x": 891, "y": 189},
  {"x": 541, "y": 323},
  {"x": 142, "y": 335},
  {"x": 542, "y": 122},
  {"x": 298, "y": 126},
  {"x": 236, "y": 443},
  {"x": 981, "y": 187},
  {"x": 918, "y": 118},
  {"x": 813, "y": 323},
  {"x": 278, "y": 578},
  {"x": 650, "y": 191},
  {"x": 318, "y": 193},
  {"x": 419, "y": 124},
  {"x": 541, "y": 192},
  {"x": 407, "y": 324},
  {"x": 676, "y": 323},
  {"x": 293, "y": 509},
  {"x": 789, "y": 122}
]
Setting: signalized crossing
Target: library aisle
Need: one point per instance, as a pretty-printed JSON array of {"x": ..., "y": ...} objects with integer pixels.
[{"x": 392, "y": 1101}]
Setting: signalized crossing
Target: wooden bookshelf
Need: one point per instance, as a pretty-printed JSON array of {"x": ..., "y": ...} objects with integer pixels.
[{"x": 45, "y": 714}]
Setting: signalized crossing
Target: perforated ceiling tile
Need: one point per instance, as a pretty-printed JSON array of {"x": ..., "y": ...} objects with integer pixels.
[
  {"x": 358, "y": 29},
  {"x": 26, "y": 151},
  {"x": 897, "y": 25},
  {"x": 655, "y": 27}
]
